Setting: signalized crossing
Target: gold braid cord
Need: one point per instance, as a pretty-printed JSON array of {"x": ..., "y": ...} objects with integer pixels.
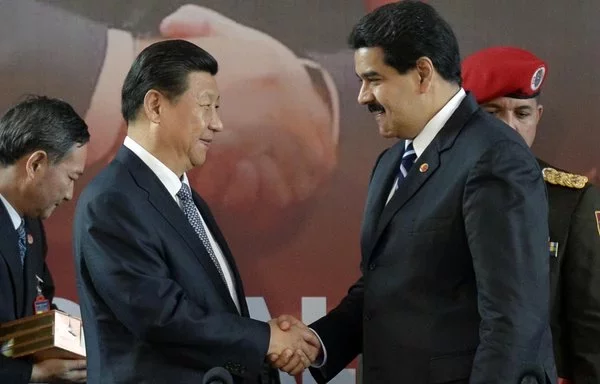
[{"x": 564, "y": 179}]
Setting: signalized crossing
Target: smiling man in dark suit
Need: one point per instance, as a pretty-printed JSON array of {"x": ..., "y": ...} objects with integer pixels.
[
  {"x": 454, "y": 285},
  {"x": 161, "y": 297}
]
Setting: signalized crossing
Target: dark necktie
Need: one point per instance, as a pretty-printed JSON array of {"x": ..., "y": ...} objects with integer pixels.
[
  {"x": 408, "y": 159},
  {"x": 22, "y": 242},
  {"x": 193, "y": 216}
]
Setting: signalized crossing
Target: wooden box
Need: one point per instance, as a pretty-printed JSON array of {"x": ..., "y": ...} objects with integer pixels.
[{"x": 49, "y": 335}]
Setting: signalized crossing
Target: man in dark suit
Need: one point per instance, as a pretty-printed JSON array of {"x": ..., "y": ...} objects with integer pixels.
[
  {"x": 43, "y": 147},
  {"x": 161, "y": 297},
  {"x": 507, "y": 82},
  {"x": 454, "y": 237}
]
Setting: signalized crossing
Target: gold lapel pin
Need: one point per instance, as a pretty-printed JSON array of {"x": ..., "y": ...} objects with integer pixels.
[
  {"x": 424, "y": 167},
  {"x": 29, "y": 239}
]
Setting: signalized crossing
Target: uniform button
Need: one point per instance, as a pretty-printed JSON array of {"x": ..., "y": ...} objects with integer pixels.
[
  {"x": 368, "y": 316},
  {"x": 372, "y": 267}
]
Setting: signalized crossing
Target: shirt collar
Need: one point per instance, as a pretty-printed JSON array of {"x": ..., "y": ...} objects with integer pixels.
[
  {"x": 12, "y": 212},
  {"x": 164, "y": 174},
  {"x": 432, "y": 128}
]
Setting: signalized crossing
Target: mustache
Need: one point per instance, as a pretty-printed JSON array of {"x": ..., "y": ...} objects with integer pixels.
[{"x": 375, "y": 107}]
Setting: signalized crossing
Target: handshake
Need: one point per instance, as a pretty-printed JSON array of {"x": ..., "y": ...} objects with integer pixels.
[{"x": 293, "y": 347}]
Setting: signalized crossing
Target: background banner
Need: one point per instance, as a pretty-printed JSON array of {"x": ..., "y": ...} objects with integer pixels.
[{"x": 287, "y": 178}]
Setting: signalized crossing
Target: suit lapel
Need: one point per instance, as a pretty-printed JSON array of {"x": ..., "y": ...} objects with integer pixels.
[
  {"x": 164, "y": 203},
  {"x": 9, "y": 250},
  {"x": 220, "y": 239},
  {"x": 412, "y": 183},
  {"x": 429, "y": 160},
  {"x": 380, "y": 186}
]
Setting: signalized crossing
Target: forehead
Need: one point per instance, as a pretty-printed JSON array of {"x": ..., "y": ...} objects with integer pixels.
[
  {"x": 202, "y": 85},
  {"x": 371, "y": 59},
  {"x": 74, "y": 160},
  {"x": 511, "y": 103}
]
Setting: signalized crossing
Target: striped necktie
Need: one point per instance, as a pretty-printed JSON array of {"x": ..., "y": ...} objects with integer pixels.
[{"x": 408, "y": 159}]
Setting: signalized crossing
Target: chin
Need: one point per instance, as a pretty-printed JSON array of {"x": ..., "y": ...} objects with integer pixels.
[
  {"x": 46, "y": 214},
  {"x": 198, "y": 161},
  {"x": 386, "y": 134}
]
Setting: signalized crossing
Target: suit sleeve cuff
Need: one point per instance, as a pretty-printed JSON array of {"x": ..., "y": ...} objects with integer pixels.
[{"x": 322, "y": 358}]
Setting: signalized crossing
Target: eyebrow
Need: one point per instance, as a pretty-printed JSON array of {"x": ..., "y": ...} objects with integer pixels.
[
  {"x": 210, "y": 94},
  {"x": 493, "y": 105},
  {"x": 209, "y": 99},
  {"x": 368, "y": 74}
]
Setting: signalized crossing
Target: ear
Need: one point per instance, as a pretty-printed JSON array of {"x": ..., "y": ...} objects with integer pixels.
[
  {"x": 36, "y": 164},
  {"x": 152, "y": 103},
  {"x": 540, "y": 111},
  {"x": 425, "y": 71}
]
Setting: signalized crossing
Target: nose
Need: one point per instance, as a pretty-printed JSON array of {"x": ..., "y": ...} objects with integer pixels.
[
  {"x": 69, "y": 194},
  {"x": 365, "y": 96},
  {"x": 215, "y": 122},
  {"x": 511, "y": 120}
]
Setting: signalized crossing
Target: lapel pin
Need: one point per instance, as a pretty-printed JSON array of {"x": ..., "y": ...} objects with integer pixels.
[
  {"x": 424, "y": 167},
  {"x": 29, "y": 239}
]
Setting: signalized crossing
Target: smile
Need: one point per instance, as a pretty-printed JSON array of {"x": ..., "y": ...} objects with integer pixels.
[{"x": 376, "y": 109}]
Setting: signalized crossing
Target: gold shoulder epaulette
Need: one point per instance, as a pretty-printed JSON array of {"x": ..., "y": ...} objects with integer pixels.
[{"x": 564, "y": 179}]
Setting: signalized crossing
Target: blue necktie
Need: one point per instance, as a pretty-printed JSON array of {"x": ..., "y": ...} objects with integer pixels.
[
  {"x": 408, "y": 159},
  {"x": 22, "y": 242},
  {"x": 193, "y": 216}
]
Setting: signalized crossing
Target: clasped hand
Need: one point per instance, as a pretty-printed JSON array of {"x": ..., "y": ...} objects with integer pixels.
[{"x": 293, "y": 346}]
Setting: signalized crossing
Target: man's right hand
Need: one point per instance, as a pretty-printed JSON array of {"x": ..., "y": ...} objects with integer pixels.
[
  {"x": 295, "y": 347},
  {"x": 52, "y": 370}
]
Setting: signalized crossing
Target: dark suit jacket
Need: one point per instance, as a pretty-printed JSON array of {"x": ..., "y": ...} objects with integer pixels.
[
  {"x": 455, "y": 267},
  {"x": 18, "y": 285},
  {"x": 575, "y": 280},
  {"x": 154, "y": 307}
]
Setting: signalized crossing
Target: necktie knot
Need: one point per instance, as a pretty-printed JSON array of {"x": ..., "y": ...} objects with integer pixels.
[
  {"x": 21, "y": 230},
  {"x": 408, "y": 159},
  {"x": 185, "y": 194},
  {"x": 406, "y": 162}
]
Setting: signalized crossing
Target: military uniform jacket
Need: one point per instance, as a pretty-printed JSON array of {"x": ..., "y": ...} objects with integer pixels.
[{"x": 574, "y": 220}]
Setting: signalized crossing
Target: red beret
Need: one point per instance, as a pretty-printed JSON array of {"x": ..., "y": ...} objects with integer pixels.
[{"x": 503, "y": 72}]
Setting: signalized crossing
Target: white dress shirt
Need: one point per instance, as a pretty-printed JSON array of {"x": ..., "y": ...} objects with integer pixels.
[
  {"x": 12, "y": 212},
  {"x": 430, "y": 131},
  {"x": 173, "y": 185}
]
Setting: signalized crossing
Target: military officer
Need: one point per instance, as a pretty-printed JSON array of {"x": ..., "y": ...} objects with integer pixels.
[{"x": 507, "y": 81}]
